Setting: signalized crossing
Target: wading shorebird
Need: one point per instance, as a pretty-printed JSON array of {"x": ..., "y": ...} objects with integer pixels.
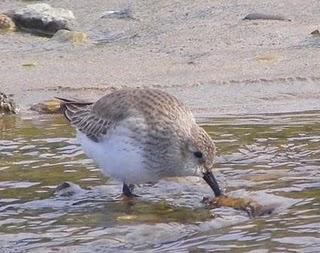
[{"x": 140, "y": 135}]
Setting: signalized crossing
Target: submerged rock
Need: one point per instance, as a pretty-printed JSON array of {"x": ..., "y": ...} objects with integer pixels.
[
  {"x": 42, "y": 18},
  {"x": 47, "y": 107},
  {"x": 6, "y": 23},
  {"x": 261, "y": 16},
  {"x": 70, "y": 36},
  {"x": 7, "y": 105},
  {"x": 68, "y": 189},
  {"x": 315, "y": 32},
  {"x": 253, "y": 208}
]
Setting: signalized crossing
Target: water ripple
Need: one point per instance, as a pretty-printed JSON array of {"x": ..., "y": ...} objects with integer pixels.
[{"x": 273, "y": 159}]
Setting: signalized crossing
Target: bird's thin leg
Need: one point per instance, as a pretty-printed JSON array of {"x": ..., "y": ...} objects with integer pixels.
[{"x": 127, "y": 190}]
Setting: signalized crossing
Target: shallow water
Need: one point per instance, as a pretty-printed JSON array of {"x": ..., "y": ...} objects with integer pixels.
[{"x": 271, "y": 158}]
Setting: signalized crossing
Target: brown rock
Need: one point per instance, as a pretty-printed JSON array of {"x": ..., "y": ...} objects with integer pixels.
[
  {"x": 6, "y": 23},
  {"x": 47, "y": 107},
  {"x": 250, "y": 206}
]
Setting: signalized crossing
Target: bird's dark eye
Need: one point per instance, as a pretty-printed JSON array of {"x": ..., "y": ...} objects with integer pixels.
[{"x": 198, "y": 154}]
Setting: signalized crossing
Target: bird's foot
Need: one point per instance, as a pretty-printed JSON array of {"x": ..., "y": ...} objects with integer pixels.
[{"x": 127, "y": 191}]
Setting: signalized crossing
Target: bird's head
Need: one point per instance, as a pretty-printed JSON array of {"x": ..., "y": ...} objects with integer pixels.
[{"x": 199, "y": 154}]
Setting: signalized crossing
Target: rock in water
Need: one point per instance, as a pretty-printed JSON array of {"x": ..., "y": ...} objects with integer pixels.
[
  {"x": 67, "y": 189},
  {"x": 6, "y": 104},
  {"x": 253, "y": 208},
  {"x": 42, "y": 18},
  {"x": 47, "y": 107},
  {"x": 6, "y": 23}
]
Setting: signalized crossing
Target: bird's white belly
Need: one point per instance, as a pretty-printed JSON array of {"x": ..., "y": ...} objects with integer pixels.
[{"x": 117, "y": 156}]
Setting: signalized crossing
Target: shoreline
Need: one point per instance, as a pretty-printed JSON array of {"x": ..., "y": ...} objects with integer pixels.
[{"x": 203, "y": 53}]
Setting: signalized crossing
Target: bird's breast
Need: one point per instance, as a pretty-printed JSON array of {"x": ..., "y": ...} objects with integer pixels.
[{"x": 119, "y": 155}]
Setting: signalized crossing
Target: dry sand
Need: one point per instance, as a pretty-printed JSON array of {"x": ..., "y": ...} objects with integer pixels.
[{"x": 201, "y": 51}]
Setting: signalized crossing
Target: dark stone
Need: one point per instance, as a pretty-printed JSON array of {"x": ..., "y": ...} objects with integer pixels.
[
  {"x": 63, "y": 186},
  {"x": 261, "y": 16},
  {"x": 315, "y": 32},
  {"x": 67, "y": 189},
  {"x": 39, "y": 26}
]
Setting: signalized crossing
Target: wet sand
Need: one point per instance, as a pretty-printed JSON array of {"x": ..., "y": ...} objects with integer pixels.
[{"x": 201, "y": 51}]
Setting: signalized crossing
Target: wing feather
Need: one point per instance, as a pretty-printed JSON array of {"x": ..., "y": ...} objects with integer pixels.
[{"x": 80, "y": 115}]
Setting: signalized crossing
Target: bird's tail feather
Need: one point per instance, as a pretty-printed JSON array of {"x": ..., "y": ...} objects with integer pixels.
[{"x": 70, "y": 108}]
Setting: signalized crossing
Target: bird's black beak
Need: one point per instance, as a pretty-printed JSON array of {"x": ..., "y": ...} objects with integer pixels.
[{"x": 212, "y": 182}]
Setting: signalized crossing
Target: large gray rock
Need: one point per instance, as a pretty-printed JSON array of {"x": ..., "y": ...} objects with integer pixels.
[{"x": 43, "y": 18}]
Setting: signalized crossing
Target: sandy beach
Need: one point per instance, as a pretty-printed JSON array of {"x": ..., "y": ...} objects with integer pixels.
[{"x": 203, "y": 52}]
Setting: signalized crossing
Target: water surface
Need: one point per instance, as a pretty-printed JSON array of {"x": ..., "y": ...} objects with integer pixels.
[{"x": 271, "y": 158}]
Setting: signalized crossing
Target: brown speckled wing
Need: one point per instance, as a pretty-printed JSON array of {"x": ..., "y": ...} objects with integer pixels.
[
  {"x": 81, "y": 116},
  {"x": 94, "y": 119}
]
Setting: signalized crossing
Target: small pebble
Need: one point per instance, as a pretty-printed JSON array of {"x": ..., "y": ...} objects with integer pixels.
[
  {"x": 70, "y": 36},
  {"x": 67, "y": 189},
  {"x": 30, "y": 64},
  {"x": 120, "y": 14},
  {"x": 127, "y": 217}
]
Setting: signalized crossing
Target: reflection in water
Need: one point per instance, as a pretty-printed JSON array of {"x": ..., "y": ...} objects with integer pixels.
[{"x": 274, "y": 159}]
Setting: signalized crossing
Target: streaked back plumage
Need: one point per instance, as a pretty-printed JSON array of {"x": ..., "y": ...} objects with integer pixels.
[{"x": 94, "y": 119}]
